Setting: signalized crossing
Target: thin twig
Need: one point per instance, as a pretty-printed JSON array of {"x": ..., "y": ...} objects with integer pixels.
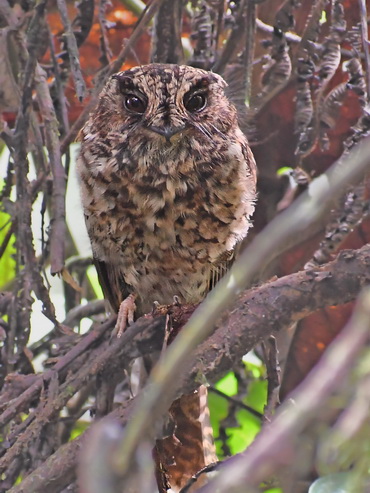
[
  {"x": 266, "y": 28},
  {"x": 194, "y": 479},
  {"x": 59, "y": 87},
  {"x": 21, "y": 307},
  {"x": 237, "y": 402},
  {"x": 6, "y": 239},
  {"x": 273, "y": 377},
  {"x": 233, "y": 42},
  {"x": 72, "y": 51},
  {"x": 81, "y": 311},
  {"x": 248, "y": 52},
  {"x": 106, "y": 53},
  {"x": 167, "y": 45}
]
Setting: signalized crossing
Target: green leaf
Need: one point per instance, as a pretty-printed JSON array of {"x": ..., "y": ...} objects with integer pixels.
[
  {"x": 257, "y": 395},
  {"x": 228, "y": 384},
  {"x": 7, "y": 262},
  {"x": 323, "y": 17},
  {"x": 285, "y": 170},
  {"x": 79, "y": 428},
  {"x": 94, "y": 280},
  {"x": 240, "y": 436}
]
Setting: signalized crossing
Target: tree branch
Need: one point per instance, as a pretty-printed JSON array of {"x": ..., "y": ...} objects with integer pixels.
[
  {"x": 273, "y": 307},
  {"x": 259, "y": 313},
  {"x": 275, "y": 446}
]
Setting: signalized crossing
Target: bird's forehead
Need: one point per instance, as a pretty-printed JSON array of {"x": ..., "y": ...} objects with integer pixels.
[{"x": 165, "y": 80}]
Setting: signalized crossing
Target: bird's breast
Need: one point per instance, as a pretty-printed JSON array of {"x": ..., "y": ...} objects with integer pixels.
[{"x": 165, "y": 232}]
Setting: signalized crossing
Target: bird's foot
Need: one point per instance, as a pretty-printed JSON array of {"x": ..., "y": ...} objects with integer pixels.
[{"x": 126, "y": 314}]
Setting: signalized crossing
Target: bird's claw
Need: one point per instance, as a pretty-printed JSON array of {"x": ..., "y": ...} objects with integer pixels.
[{"x": 126, "y": 314}]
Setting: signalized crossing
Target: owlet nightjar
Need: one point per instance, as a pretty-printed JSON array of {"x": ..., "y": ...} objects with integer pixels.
[{"x": 168, "y": 184}]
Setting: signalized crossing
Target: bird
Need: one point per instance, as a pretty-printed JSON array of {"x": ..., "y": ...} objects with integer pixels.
[{"x": 168, "y": 189}]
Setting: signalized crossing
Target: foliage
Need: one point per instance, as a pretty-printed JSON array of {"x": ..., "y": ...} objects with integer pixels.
[{"x": 237, "y": 426}]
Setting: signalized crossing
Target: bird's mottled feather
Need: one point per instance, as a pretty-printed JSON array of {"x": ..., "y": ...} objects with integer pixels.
[{"x": 161, "y": 213}]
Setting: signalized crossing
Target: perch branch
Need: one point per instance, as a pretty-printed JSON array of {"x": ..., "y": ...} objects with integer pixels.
[{"x": 273, "y": 307}]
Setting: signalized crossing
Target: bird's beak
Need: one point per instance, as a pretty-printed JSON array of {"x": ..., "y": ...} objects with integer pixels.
[{"x": 166, "y": 131}]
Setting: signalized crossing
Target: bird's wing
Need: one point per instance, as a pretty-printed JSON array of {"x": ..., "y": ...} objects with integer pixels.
[{"x": 114, "y": 287}]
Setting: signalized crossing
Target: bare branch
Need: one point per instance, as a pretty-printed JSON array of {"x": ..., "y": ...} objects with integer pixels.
[
  {"x": 167, "y": 46},
  {"x": 259, "y": 313},
  {"x": 72, "y": 51},
  {"x": 274, "y": 446},
  {"x": 58, "y": 230}
]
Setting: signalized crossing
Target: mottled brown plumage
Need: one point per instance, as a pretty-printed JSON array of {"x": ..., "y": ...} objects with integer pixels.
[{"x": 168, "y": 184}]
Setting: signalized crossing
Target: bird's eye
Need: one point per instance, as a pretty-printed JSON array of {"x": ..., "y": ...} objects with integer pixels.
[
  {"x": 195, "y": 103},
  {"x": 135, "y": 104}
]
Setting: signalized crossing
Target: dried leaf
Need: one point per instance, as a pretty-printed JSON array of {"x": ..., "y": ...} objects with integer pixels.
[{"x": 67, "y": 277}]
